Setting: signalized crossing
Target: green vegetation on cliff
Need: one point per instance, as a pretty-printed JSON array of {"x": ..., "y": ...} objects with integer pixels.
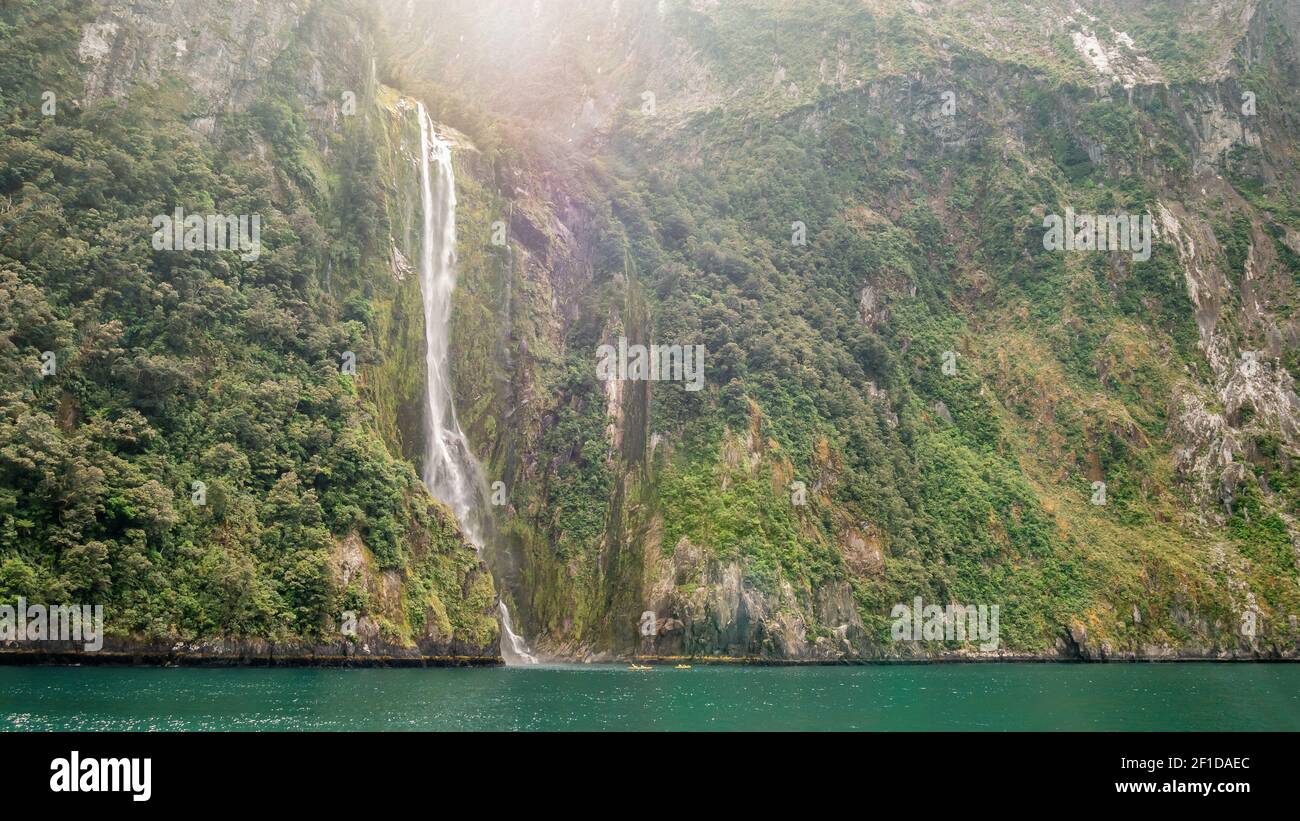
[
  {"x": 771, "y": 124},
  {"x": 197, "y": 462},
  {"x": 907, "y": 395}
]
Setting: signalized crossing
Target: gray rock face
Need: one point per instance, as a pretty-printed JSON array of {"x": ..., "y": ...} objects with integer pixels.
[
  {"x": 1211, "y": 443},
  {"x": 223, "y": 51},
  {"x": 222, "y": 54},
  {"x": 712, "y": 610}
]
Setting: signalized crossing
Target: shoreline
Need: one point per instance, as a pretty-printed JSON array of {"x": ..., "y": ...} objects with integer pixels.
[
  {"x": 886, "y": 662},
  {"x": 246, "y": 653},
  {"x": 269, "y": 657},
  {"x": 11, "y": 658}
]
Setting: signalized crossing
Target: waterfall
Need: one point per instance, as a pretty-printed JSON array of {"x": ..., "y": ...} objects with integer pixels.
[
  {"x": 451, "y": 472},
  {"x": 513, "y": 647}
]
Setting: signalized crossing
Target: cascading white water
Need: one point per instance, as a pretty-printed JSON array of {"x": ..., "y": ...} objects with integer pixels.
[
  {"x": 513, "y": 647},
  {"x": 451, "y": 472}
]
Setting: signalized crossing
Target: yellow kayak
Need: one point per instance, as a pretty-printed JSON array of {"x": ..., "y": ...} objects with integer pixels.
[{"x": 682, "y": 667}]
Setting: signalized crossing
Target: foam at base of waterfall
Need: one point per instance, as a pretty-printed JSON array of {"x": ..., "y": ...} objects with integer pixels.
[{"x": 513, "y": 648}]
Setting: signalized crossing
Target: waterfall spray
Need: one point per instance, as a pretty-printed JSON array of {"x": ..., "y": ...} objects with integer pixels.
[{"x": 451, "y": 472}]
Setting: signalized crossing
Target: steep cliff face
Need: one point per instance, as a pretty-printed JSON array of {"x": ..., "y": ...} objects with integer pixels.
[
  {"x": 224, "y": 54},
  {"x": 282, "y": 387},
  {"x": 1111, "y": 455},
  {"x": 907, "y": 394}
]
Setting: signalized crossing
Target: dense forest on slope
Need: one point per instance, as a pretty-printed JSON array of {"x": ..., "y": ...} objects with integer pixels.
[
  {"x": 715, "y": 128},
  {"x": 174, "y": 369},
  {"x": 836, "y": 198}
]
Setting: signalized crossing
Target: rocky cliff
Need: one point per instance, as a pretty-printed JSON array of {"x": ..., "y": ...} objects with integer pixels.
[
  {"x": 245, "y": 491},
  {"x": 907, "y": 393},
  {"x": 1111, "y": 457}
]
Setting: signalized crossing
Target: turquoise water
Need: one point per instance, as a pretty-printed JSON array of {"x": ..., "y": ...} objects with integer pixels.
[{"x": 911, "y": 697}]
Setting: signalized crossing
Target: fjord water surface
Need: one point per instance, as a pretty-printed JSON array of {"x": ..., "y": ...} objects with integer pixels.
[{"x": 896, "y": 697}]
